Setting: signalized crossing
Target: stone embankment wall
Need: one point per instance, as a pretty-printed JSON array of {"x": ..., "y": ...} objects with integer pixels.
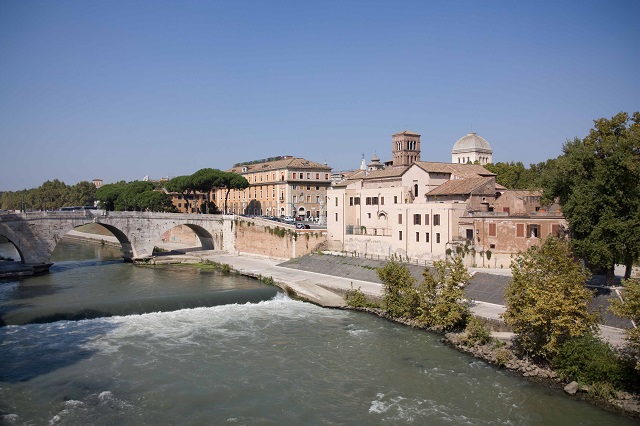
[{"x": 272, "y": 239}]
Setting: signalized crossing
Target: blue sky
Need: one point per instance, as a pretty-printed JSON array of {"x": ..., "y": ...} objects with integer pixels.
[{"x": 122, "y": 89}]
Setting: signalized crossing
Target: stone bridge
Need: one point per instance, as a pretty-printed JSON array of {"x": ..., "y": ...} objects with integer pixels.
[{"x": 35, "y": 235}]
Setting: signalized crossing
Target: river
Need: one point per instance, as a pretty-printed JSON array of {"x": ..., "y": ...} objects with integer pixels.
[{"x": 246, "y": 355}]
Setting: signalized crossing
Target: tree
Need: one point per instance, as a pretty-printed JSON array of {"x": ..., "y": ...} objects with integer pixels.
[
  {"x": 629, "y": 307},
  {"x": 108, "y": 194},
  {"x": 155, "y": 201},
  {"x": 183, "y": 185},
  {"x": 400, "y": 294},
  {"x": 442, "y": 302},
  {"x": 229, "y": 181},
  {"x": 547, "y": 300},
  {"x": 205, "y": 181},
  {"x": 597, "y": 183}
]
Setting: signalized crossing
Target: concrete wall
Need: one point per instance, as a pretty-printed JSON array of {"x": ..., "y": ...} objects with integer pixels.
[{"x": 263, "y": 238}]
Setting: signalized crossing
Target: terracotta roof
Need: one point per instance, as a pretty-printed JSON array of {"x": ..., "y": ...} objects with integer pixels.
[
  {"x": 522, "y": 192},
  {"x": 389, "y": 172},
  {"x": 460, "y": 171},
  {"x": 406, "y": 132},
  {"x": 460, "y": 186},
  {"x": 285, "y": 163}
]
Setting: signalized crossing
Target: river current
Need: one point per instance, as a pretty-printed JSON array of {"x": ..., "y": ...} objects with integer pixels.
[{"x": 246, "y": 355}]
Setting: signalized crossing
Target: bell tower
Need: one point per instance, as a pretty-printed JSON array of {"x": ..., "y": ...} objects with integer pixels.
[{"x": 405, "y": 148}]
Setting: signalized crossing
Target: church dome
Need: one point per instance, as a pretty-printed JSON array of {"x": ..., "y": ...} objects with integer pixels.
[{"x": 471, "y": 142}]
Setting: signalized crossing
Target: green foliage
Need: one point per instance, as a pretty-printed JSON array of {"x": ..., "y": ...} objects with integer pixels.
[
  {"x": 400, "y": 294},
  {"x": 516, "y": 176},
  {"x": 597, "y": 182},
  {"x": 503, "y": 357},
  {"x": 51, "y": 195},
  {"x": 476, "y": 332},
  {"x": 629, "y": 307},
  {"x": 602, "y": 390},
  {"x": 356, "y": 298},
  {"x": 441, "y": 299},
  {"x": 589, "y": 360},
  {"x": 547, "y": 300},
  {"x": 268, "y": 280},
  {"x": 133, "y": 196}
]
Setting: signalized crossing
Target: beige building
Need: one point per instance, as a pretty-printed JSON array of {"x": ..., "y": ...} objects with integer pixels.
[
  {"x": 424, "y": 210},
  {"x": 280, "y": 186}
]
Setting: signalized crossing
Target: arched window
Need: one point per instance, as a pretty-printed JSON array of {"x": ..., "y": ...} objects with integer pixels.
[{"x": 415, "y": 190}]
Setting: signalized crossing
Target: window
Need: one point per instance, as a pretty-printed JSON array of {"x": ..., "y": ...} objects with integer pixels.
[
  {"x": 350, "y": 201},
  {"x": 416, "y": 219},
  {"x": 469, "y": 234},
  {"x": 492, "y": 246},
  {"x": 308, "y": 187},
  {"x": 520, "y": 230},
  {"x": 417, "y": 237},
  {"x": 356, "y": 201},
  {"x": 308, "y": 175},
  {"x": 532, "y": 231},
  {"x": 326, "y": 176},
  {"x": 179, "y": 204},
  {"x": 506, "y": 210},
  {"x": 395, "y": 199},
  {"x": 317, "y": 188},
  {"x": 400, "y": 235},
  {"x": 368, "y": 201},
  {"x": 336, "y": 217},
  {"x": 294, "y": 186},
  {"x": 436, "y": 220},
  {"x": 492, "y": 229},
  {"x": 382, "y": 201},
  {"x": 374, "y": 201},
  {"x": 400, "y": 218},
  {"x": 369, "y": 215},
  {"x": 426, "y": 237},
  {"x": 437, "y": 238},
  {"x": 415, "y": 190},
  {"x": 308, "y": 198},
  {"x": 336, "y": 201},
  {"x": 294, "y": 175},
  {"x": 295, "y": 198},
  {"x": 317, "y": 175},
  {"x": 426, "y": 219}
]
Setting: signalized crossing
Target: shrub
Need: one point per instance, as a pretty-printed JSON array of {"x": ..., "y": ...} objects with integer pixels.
[
  {"x": 477, "y": 332},
  {"x": 629, "y": 307},
  {"x": 356, "y": 298},
  {"x": 400, "y": 294},
  {"x": 547, "y": 300},
  {"x": 602, "y": 390},
  {"x": 503, "y": 357},
  {"x": 589, "y": 360}
]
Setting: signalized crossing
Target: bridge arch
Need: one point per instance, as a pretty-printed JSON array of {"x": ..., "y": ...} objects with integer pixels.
[
  {"x": 204, "y": 236},
  {"x": 7, "y": 233}
]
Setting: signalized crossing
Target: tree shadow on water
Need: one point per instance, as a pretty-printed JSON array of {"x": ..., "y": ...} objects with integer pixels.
[{"x": 29, "y": 351}]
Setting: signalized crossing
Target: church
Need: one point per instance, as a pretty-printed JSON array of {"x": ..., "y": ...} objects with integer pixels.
[{"x": 423, "y": 211}]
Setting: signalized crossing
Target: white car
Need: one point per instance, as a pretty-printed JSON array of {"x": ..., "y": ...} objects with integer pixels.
[{"x": 288, "y": 219}]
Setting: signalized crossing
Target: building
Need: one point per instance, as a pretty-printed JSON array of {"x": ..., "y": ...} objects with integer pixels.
[
  {"x": 425, "y": 210},
  {"x": 471, "y": 148},
  {"x": 97, "y": 183},
  {"x": 279, "y": 186}
]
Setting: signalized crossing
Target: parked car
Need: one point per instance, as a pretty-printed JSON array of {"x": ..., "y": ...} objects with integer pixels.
[{"x": 302, "y": 226}]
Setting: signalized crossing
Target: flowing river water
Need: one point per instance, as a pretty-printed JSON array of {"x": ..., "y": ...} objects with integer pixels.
[{"x": 188, "y": 346}]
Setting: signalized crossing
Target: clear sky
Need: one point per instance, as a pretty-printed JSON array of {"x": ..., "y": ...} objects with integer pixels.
[{"x": 122, "y": 89}]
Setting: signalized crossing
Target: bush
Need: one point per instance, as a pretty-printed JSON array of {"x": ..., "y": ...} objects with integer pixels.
[
  {"x": 602, "y": 390},
  {"x": 547, "y": 300},
  {"x": 400, "y": 293},
  {"x": 589, "y": 360},
  {"x": 356, "y": 298},
  {"x": 477, "y": 332},
  {"x": 503, "y": 357}
]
